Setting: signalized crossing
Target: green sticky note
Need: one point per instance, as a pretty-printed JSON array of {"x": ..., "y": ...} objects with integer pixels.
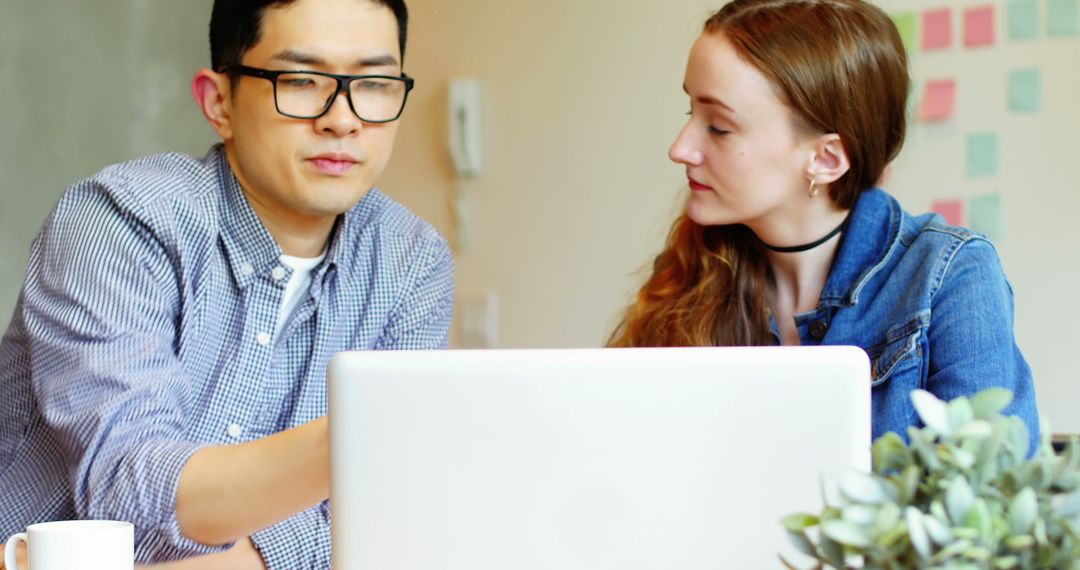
[
  {"x": 1023, "y": 19},
  {"x": 1025, "y": 90},
  {"x": 1062, "y": 17},
  {"x": 905, "y": 24},
  {"x": 982, "y": 155},
  {"x": 986, "y": 216}
]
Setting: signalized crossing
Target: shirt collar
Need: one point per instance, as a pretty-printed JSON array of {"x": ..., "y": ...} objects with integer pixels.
[
  {"x": 870, "y": 236},
  {"x": 250, "y": 249}
]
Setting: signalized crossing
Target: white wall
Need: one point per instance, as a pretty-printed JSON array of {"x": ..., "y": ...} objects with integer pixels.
[{"x": 582, "y": 101}]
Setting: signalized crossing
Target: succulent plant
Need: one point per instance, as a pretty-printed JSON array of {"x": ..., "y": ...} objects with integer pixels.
[{"x": 962, "y": 494}]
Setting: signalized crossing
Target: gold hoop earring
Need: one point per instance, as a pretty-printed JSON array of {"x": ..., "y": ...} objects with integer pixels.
[{"x": 814, "y": 190}]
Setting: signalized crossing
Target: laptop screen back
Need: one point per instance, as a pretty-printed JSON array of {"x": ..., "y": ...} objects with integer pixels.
[{"x": 587, "y": 459}]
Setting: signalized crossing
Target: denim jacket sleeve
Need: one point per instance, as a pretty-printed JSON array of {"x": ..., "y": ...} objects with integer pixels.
[{"x": 970, "y": 338}]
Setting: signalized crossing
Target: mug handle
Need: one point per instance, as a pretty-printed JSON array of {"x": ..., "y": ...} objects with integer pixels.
[{"x": 10, "y": 561}]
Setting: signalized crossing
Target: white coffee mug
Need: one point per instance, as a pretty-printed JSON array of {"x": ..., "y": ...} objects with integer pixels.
[{"x": 65, "y": 545}]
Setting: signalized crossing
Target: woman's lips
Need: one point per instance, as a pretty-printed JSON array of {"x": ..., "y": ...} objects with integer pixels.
[{"x": 699, "y": 187}]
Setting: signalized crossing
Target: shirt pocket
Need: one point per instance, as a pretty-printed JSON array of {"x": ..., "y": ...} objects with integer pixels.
[{"x": 899, "y": 352}]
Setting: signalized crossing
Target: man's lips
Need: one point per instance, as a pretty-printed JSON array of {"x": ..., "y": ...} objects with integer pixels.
[
  {"x": 699, "y": 187},
  {"x": 334, "y": 163}
]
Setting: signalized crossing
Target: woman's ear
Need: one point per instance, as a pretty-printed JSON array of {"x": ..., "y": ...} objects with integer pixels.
[
  {"x": 828, "y": 160},
  {"x": 212, "y": 95}
]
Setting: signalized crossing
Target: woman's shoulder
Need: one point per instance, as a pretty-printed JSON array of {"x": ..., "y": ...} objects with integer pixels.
[
  {"x": 922, "y": 232},
  {"x": 930, "y": 242}
]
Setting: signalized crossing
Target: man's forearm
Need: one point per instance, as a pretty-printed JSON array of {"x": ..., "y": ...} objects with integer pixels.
[{"x": 229, "y": 492}]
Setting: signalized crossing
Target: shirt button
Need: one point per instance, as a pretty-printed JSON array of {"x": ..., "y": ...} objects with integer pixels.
[
  {"x": 818, "y": 329},
  {"x": 235, "y": 431},
  {"x": 262, "y": 338},
  {"x": 278, "y": 273},
  {"x": 247, "y": 269}
]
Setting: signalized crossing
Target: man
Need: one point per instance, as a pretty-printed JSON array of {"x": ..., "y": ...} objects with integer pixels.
[{"x": 166, "y": 362}]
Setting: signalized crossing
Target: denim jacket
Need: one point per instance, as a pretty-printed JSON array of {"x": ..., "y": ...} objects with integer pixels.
[{"x": 930, "y": 305}]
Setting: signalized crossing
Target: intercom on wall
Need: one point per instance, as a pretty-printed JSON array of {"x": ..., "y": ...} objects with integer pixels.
[{"x": 464, "y": 116}]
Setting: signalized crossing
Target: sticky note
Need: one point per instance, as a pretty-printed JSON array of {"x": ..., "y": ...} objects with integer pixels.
[
  {"x": 1025, "y": 90},
  {"x": 979, "y": 26},
  {"x": 905, "y": 24},
  {"x": 1062, "y": 17},
  {"x": 938, "y": 101},
  {"x": 986, "y": 216},
  {"x": 1023, "y": 19},
  {"x": 937, "y": 29},
  {"x": 951, "y": 210},
  {"x": 982, "y": 155}
]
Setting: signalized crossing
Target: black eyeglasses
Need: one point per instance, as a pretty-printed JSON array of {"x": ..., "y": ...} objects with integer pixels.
[{"x": 310, "y": 94}]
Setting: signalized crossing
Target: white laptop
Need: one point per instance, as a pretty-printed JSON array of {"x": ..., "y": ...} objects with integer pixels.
[{"x": 587, "y": 459}]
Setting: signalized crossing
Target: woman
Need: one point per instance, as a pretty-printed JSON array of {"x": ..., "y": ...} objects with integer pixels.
[{"x": 797, "y": 108}]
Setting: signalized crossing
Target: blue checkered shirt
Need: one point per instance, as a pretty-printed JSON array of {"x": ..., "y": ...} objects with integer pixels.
[{"x": 144, "y": 334}]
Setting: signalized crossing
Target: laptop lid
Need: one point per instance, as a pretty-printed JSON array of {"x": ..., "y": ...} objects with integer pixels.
[{"x": 587, "y": 458}]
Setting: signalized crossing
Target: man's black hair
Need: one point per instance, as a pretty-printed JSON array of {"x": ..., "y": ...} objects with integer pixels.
[{"x": 235, "y": 27}]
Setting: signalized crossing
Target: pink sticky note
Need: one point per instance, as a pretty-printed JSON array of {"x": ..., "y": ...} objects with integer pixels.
[
  {"x": 951, "y": 210},
  {"x": 937, "y": 29},
  {"x": 939, "y": 100},
  {"x": 979, "y": 26}
]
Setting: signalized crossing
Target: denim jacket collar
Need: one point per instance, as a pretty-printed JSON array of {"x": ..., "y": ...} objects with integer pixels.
[{"x": 872, "y": 233}]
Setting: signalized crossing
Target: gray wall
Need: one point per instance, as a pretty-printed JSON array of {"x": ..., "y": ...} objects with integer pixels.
[{"x": 87, "y": 84}]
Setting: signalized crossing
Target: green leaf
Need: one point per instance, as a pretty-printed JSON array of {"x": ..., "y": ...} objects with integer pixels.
[
  {"x": 834, "y": 553},
  {"x": 802, "y": 543},
  {"x": 975, "y": 429},
  {"x": 886, "y": 519},
  {"x": 1020, "y": 542},
  {"x": 937, "y": 529},
  {"x": 923, "y": 445},
  {"x": 931, "y": 410},
  {"x": 1023, "y": 509},
  {"x": 1020, "y": 438},
  {"x": 889, "y": 452},
  {"x": 1068, "y": 505},
  {"x": 861, "y": 515},
  {"x": 980, "y": 519},
  {"x": 987, "y": 403},
  {"x": 847, "y": 533},
  {"x": 961, "y": 458},
  {"x": 959, "y": 413},
  {"x": 1039, "y": 531},
  {"x": 958, "y": 500},
  {"x": 909, "y": 483},
  {"x": 965, "y": 533},
  {"x": 1068, "y": 462},
  {"x": 861, "y": 487},
  {"x": 954, "y": 549},
  {"x": 1006, "y": 562},
  {"x": 977, "y": 553},
  {"x": 799, "y": 522},
  {"x": 916, "y": 532}
]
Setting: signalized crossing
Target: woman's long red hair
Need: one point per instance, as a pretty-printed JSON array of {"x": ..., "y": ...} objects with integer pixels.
[{"x": 841, "y": 67}]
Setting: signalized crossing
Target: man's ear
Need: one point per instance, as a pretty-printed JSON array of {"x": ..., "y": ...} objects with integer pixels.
[
  {"x": 212, "y": 93},
  {"x": 828, "y": 159}
]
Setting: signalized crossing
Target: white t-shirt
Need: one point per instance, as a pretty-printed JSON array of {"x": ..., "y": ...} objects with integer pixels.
[{"x": 297, "y": 288}]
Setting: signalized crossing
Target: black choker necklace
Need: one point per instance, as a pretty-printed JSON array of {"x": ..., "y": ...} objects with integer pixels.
[{"x": 808, "y": 246}]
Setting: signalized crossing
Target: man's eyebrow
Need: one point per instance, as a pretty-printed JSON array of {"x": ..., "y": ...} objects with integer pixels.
[
  {"x": 293, "y": 56},
  {"x": 385, "y": 60}
]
